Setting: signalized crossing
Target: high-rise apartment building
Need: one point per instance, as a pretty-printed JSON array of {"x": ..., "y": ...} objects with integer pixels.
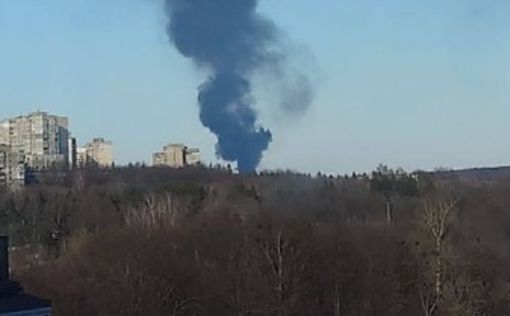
[
  {"x": 43, "y": 139},
  {"x": 176, "y": 156},
  {"x": 98, "y": 152}
]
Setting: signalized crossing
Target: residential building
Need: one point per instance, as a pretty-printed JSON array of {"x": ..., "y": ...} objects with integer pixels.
[
  {"x": 12, "y": 167},
  {"x": 98, "y": 152},
  {"x": 4, "y": 133},
  {"x": 159, "y": 159},
  {"x": 73, "y": 153},
  {"x": 13, "y": 299},
  {"x": 81, "y": 157},
  {"x": 192, "y": 156},
  {"x": 176, "y": 156},
  {"x": 43, "y": 139}
]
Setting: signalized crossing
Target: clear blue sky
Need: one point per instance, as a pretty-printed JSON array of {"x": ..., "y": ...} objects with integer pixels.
[{"x": 410, "y": 83}]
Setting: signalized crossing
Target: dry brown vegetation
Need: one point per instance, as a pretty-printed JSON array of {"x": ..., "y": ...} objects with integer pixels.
[{"x": 145, "y": 241}]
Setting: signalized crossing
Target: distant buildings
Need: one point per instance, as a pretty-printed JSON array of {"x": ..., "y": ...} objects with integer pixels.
[
  {"x": 173, "y": 155},
  {"x": 176, "y": 156},
  {"x": 99, "y": 152},
  {"x": 42, "y": 139},
  {"x": 35, "y": 143},
  {"x": 39, "y": 141}
]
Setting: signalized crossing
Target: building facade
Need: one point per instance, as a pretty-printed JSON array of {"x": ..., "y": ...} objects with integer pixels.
[
  {"x": 158, "y": 159},
  {"x": 81, "y": 157},
  {"x": 12, "y": 167},
  {"x": 4, "y": 132},
  {"x": 73, "y": 153},
  {"x": 43, "y": 139},
  {"x": 192, "y": 156},
  {"x": 99, "y": 152},
  {"x": 176, "y": 156}
]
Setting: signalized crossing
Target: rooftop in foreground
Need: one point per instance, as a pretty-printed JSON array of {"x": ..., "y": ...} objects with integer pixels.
[
  {"x": 23, "y": 304},
  {"x": 13, "y": 300}
]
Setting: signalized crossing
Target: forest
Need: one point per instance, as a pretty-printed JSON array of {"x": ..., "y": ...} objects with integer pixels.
[{"x": 140, "y": 241}]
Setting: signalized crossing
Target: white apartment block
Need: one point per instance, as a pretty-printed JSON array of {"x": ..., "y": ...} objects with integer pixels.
[{"x": 43, "y": 139}]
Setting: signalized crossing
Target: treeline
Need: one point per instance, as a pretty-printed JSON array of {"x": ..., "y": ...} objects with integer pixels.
[{"x": 156, "y": 241}]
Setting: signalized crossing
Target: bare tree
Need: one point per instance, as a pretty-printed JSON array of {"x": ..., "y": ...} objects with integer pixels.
[
  {"x": 156, "y": 211},
  {"x": 436, "y": 219},
  {"x": 284, "y": 259}
]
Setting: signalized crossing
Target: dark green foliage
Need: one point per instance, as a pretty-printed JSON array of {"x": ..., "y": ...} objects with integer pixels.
[{"x": 391, "y": 182}]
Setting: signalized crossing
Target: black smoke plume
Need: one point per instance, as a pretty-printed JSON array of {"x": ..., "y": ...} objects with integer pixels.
[{"x": 231, "y": 40}]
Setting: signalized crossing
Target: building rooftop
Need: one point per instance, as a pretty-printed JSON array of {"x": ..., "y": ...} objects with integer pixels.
[
  {"x": 13, "y": 301},
  {"x": 99, "y": 141},
  {"x": 22, "y": 302},
  {"x": 179, "y": 146}
]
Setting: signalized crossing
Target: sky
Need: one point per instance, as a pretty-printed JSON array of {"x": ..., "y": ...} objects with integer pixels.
[{"x": 407, "y": 83}]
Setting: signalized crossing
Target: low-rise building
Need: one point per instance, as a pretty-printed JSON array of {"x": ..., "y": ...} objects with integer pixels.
[
  {"x": 81, "y": 157},
  {"x": 176, "y": 156},
  {"x": 192, "y": 156},
  {"x": 99, "y": 152},
  {"x": 159, "y": 159}
]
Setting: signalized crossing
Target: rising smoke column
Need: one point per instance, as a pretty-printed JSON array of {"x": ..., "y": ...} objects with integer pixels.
[{"x": 231, "y": 40}]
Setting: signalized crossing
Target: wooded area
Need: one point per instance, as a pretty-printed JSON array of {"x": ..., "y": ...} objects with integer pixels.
[{"x": 203, "y": 241}]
